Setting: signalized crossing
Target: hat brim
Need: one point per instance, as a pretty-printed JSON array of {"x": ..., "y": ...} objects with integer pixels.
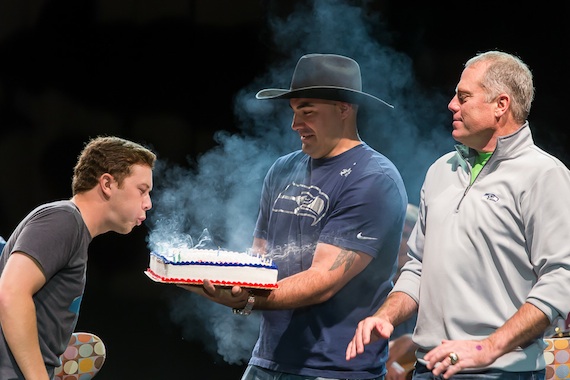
[{"x": 328, "y": 93}]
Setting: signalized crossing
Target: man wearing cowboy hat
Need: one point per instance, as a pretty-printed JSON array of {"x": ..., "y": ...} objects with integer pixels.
[{"x": 331, "y": 217}]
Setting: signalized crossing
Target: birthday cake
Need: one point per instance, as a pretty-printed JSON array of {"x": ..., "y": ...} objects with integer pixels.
[{"x": 226, "y": 268}]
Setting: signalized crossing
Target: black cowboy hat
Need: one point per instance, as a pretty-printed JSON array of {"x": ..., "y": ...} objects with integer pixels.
[{"x": 324, "y": 76}]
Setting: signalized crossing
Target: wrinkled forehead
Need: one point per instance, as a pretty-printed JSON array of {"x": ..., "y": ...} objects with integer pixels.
[{"x": 471, "y": 78}]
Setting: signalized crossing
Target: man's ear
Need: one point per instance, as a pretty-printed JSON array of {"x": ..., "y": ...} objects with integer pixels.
[
  {"x": 503, "y": 104},
  {"x": 344, "y": 108},
  {"x": 105, "y": 182}
]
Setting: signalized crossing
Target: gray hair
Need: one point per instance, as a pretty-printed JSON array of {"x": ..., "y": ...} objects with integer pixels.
[{"x": 508, "y": 74}]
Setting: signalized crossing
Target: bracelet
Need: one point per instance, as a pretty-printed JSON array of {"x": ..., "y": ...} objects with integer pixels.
[
  {"x": 248, "y": 306},
  {"x": 397, "y": 367}
]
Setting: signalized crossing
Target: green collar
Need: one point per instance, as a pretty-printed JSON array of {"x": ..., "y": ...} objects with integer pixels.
[{"x": 480, "y": 161}]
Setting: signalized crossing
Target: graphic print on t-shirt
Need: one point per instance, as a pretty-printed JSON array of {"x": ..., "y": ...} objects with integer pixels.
[{"x": 302, "y": 200}]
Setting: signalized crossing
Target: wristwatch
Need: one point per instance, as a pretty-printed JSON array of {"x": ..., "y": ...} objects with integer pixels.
[{"x": 248, "y": 306}]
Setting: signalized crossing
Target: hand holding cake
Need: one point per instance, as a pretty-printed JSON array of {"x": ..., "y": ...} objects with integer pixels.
[{"x": 235, "y": 297}]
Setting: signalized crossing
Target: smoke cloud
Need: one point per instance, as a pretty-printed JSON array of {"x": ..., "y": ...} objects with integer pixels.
[{"x": 221, "y": 190}]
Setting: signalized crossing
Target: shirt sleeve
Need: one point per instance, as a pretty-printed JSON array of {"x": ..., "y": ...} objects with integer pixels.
[{"x": 546, "y": 227}]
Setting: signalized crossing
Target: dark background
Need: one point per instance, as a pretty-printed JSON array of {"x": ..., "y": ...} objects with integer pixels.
[{"x": 168, "y": 74}]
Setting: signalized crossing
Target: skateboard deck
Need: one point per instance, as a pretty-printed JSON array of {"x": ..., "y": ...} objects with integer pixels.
[{"x": 83, "y": 358}]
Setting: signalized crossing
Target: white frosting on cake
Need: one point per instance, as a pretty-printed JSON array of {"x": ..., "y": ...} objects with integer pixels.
[{"x": 192, "y": 266}]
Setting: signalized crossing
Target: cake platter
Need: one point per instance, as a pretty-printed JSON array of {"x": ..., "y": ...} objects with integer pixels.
[{"x": 182, "y": 281}]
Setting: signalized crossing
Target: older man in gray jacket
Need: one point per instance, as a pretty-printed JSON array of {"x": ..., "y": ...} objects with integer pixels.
[{"x": 490, "y": 266}]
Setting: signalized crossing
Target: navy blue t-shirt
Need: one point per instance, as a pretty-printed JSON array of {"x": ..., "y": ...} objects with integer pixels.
[{"x": 356, "y": 201}]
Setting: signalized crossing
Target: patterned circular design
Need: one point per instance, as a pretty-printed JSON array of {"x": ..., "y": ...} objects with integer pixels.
[
  {"x": 83, "y": 358},
  {"x": 557, "y": 357}
]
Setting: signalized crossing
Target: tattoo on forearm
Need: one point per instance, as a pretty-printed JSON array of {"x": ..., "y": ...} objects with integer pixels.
[{"x": 344, "y": 257}]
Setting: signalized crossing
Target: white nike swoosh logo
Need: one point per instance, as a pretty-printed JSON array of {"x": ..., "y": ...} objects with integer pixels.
[{"x": 362, "y": 237}]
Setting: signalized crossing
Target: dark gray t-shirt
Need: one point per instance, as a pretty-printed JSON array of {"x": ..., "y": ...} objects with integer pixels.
[{"x": 55, "y": 235}]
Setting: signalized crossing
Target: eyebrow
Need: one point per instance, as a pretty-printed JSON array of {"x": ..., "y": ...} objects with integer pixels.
[
  {"x": 462, "y": 91},
  {"x": 303, "y": 105}
]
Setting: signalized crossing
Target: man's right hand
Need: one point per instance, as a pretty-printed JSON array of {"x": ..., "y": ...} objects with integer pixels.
[{"x": 369, "y": 330}]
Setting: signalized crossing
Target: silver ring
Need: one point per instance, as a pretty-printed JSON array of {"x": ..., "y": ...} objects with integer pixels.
[{"x": 453, "y": 358}]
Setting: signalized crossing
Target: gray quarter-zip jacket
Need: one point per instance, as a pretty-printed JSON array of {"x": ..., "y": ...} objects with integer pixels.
[{"x": 480, "y": 251}]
